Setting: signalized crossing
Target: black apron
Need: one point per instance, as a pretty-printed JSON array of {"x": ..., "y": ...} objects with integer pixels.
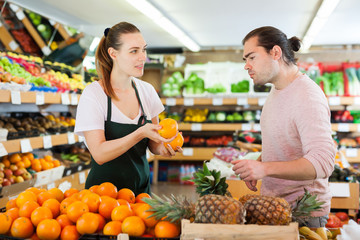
[{"x": 131, "y": 169}]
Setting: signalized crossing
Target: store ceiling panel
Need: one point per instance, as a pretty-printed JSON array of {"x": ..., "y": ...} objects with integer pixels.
[{"x": 211, "y": 23}]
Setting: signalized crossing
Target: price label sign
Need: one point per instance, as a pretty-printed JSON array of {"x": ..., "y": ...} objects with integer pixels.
[
  {"x": 47, "y": 142},
  {"x": 15, "y": 97},
  {"x": 217, "y": 101},
  {"x": 171, "y": 102},
  {"x": 68, "y": 172},
  {"x": 40, "y": 98},
  {"x": 13, "y": 45},
  {"x": 257, "y": 127},
  {"x": 20, "y": 15},
  {"x": 196, "y": 127},
  {"x": 188, "y": 152},
  {"x": 65, "y": 99},
  {"x": 334, "y": 101},
  {"x": 3, "y": 151},
  {"x": 261, "y": 101},
  {"x": 82, "y": 177},
  {"x": 188, "y": 102},
  {"x": 343, "y": 127},
  {"x": 71, "y": 138},
  {"x": 80, "y": 167},
  {"x": 74, "y": 99},
  {"x": 356, "y": 100},
  {"x": 242, "y": 101},
  {"x": 25, "y": 145},
  {"x": 246, "y": 127},
  {"x": 351, "y": 152}
]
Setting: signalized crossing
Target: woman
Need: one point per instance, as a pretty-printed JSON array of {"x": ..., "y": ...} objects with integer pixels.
[{"x": 117, "y": 115}]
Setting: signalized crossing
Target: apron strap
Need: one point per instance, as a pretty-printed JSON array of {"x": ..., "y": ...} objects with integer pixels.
[
  {"x": 142, "y": 119},
  {"x": 109, "y": 109}
]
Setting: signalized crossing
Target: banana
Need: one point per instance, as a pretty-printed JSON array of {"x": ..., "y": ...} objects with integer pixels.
[
  {"x": 305, "y": 231},
  {"x": 321, "y": 231}
]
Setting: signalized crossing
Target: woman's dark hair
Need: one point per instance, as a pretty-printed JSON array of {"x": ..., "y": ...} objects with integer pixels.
[
  {"x": 269, "y": 36},
  {"x": 103, "y": 61}
]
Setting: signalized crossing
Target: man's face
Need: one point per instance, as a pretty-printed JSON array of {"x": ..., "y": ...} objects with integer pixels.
[{"x": 260, "y": 65}]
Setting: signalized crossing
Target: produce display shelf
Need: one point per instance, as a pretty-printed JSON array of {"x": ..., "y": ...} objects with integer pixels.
[
  {"x": 60, "y": 28},
  {"x": 8, "y": 40},
  {"x": 352, "y": 154},
  {"x": 12, "y": 146},
  {"x": 345, "y": 127},
  {"x": 218, "y": 126},
  {"x": 30, "y": 97}
]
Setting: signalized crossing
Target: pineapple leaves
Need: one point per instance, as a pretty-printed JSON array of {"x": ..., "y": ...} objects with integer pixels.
[{"x": 306, "y": 205}]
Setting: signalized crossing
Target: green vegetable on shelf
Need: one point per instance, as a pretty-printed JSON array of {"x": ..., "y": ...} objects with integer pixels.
[
  {"x": 241, "y": 86},
  {"x": 216, "y": 88},
  {"x": 354, "y": 84}
]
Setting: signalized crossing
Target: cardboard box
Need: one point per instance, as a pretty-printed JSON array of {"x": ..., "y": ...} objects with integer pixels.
[
  {"x": 238, "y": 188},
  {"x": 192, "y": 231},
  {"x": 48, "y": 176}
]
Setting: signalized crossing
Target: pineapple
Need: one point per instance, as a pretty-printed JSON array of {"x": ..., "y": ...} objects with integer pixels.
[{"x": 212, "y": 206}]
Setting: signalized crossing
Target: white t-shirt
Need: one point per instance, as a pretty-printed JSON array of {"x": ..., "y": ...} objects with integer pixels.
[{"x": 92, "y": 108}]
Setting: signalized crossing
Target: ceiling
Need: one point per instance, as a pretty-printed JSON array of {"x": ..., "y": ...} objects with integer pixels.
[{"x": 210, "y": 23}]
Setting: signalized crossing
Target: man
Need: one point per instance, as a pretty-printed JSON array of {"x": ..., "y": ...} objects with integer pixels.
[{"x": 297, "y": 147}]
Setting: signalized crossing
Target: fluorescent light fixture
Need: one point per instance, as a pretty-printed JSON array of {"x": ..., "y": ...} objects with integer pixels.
[
  {"x": 154, "y": 14},
  {"x": 94, "y": 44},
  {"x": 322, "y": 15}
]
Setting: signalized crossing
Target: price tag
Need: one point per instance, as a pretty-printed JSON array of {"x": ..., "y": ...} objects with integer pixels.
[
  {"x": 40, "y": 98},
  {"x": 47, "y": 142},
  {"x": 343, "y": 127},
  {"x": 20, "y": 15},
  {"x": 257, "y": 127},
  {"x": 196, "y": 127},
  {"x": 188, "y": 102},
  {"x": 64, "y": 186},
  {"x": 81, "y": 139},
  {"x": 25, "y": 145},
  {"x": 242, "y": 101},
  {"x": 334, "y": 101},
  {"x": 339, "y": 189},
  {"x": 356, "y": 101},
  {"x": 80, "y": 167},
  {"x": 52, "y": 22},
  {"x": 71, "y": 138},
  {"x": 15, "y": 97},
  {"x": 14, "y": 7},
  {"x": 43, "y": 70},
  {"x": 68, "y": 172},
  {"x": 351, "y": 152},
  {"x": 74, "y": 99},
  {"x": 3, "y": 151},
  {"x": 261, "y": 101},
  {"x": 246, "y": 127},
  {"x": 46, "y": 50},
  {"x": 217, "y": 101},
  {"x": 171, "y": 102},
  {"x": 0, "y": 24},
  {"x": 82, "y": 177},
  {"x": 50, "y": 186},
  {"x": 188, "y": 152},
  {"x": 65, "y": 99},
  {"x": 358, "y": 127},
  {"x": 13, "y": 45}
]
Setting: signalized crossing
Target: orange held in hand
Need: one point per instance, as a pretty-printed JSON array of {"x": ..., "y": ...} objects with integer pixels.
[
  {"x": 177, "y": 142},
  {"x": 169, "y": 128}
]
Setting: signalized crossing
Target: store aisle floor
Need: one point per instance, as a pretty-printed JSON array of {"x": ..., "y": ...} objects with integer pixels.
[{"x": 168, "y": 188}]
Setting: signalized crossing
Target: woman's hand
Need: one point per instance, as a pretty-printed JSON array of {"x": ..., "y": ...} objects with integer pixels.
[{"x": 150, "y": 131}]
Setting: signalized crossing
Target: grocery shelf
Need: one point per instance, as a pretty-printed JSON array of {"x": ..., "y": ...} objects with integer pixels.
[
  {"x": 7, "y": 39},
  {"x": 218, "y": 126},
  {"x": 352, "y": 154},
  {"x": 12, "y": 146},
  {"x": 30, "y": 97},
  {"x": 60, "y": 28},
  {"x": 345, "y": 127}
]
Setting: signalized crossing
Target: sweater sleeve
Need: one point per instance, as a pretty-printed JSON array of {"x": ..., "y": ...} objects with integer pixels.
[{"x": 312, "y": 119}]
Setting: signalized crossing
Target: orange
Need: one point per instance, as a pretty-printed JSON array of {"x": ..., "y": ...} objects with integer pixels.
[
  {"x": 36, "y": 166},
  {"x": 83, "y": 193},
  {"x": 102, "y": 222},
  {"x": 165, "y": 229},
  {"x": 76, "y": 209},
  {"x": 22, "y": 228},
  {"x": 29, "y": 155},
  {"x": 35, "y": 190},
  {"x": 13, "y": 213},
  {"x": 69, "y": 233},
  {"x": 106, "y": 206},
  {"x": 14, "y": 158},
  {"x": 65, "y": 204},
  {"x": 144, "y": 213},
  {"x": 39, "y": 214},
  {"x": 134, "y": 206},
  {"x": 70, "y": 192},
  {"x": 93, "y": 201},
  {"x": 59, "y": 195},
  {"x": 121, "y": 212},
  {"x": 48, "y": 229},
  {"x": 169, "y": 128},
  {"x": 35, "y": 237},
  {"x": 27, "y": 162},
  {"x": 11, "y": 204},
  {"x": 27, "y": 208},
  {"x": 56, "y": 163},
  {"x": 48, "y": 158},
  {"x": 88, "y": 223},
  {"x": 112, "y": 228},
  {"x": 20, "y": 164},
  {"x": 177, "y": 142},
  {"x": 42, "y": 197},
  {"x": 53, "y": 205},
  {"x": 124, "y": 202},
  {"x": 6, "y": 162},
  {"x": 126, "y": 194},
  {"x": 5, "y": 223},
  {"x": 64, "y": 220},
  {"x": 94, "y": 188},
  {"x": 107, "y": 189},
  {"x": 134, "y": 226},
  {"x": 24, "y": 197},
  {"x": 139, "y": 197}
]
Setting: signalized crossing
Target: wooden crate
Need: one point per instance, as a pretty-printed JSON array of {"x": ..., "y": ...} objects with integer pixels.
[{"x": 201, "y": 231}]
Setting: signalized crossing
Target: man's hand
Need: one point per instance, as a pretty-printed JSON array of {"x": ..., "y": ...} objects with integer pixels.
[
  {"x": 249, "y": 170},
  {"x": 251, "y": 185}
]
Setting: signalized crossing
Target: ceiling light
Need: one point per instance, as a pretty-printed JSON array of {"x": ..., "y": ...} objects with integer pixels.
[
  {"x": 154, "y": 14},
  {"x": 322, "y": 15}
]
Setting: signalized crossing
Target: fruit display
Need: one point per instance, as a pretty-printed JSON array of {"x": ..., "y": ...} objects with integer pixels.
[
  {"x": 240, "y": 87},
  {"x": 195, "y": 115},
  {"x": 13, "y": 169},
  {"x": 194, "y": 85},
  {"x": 102, "y": 209},
  {"x": 172, "y": 86}
]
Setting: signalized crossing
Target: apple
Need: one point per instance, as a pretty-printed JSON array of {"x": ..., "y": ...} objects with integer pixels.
[
  {"x": 2, "y": 165},
  {"x": 2, "y": 174},
  {"x": 13, "y": 167},
  {"x": 8, "y": 173},
  {"x": 1, "y": 180},
  {"x": 12, "y": 179},
  {"x": 27, "y": 176},
  {"x": 19, "y": 172},
  {"x": 6, "y": 182},
  {"x": 19, "y": 179}
]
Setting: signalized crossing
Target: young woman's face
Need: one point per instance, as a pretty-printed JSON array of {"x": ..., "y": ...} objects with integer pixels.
[{"x": 131, "y": 56}]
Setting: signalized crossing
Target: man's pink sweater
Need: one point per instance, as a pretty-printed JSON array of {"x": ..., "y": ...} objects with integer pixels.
[{"x": 295, "y": 123}]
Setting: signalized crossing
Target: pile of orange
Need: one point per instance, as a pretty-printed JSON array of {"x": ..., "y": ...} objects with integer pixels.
[
  {"x": 27, "y": 160},
  {"x": 170, "y": 129},
  {"x": 51, "y": 214}
]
